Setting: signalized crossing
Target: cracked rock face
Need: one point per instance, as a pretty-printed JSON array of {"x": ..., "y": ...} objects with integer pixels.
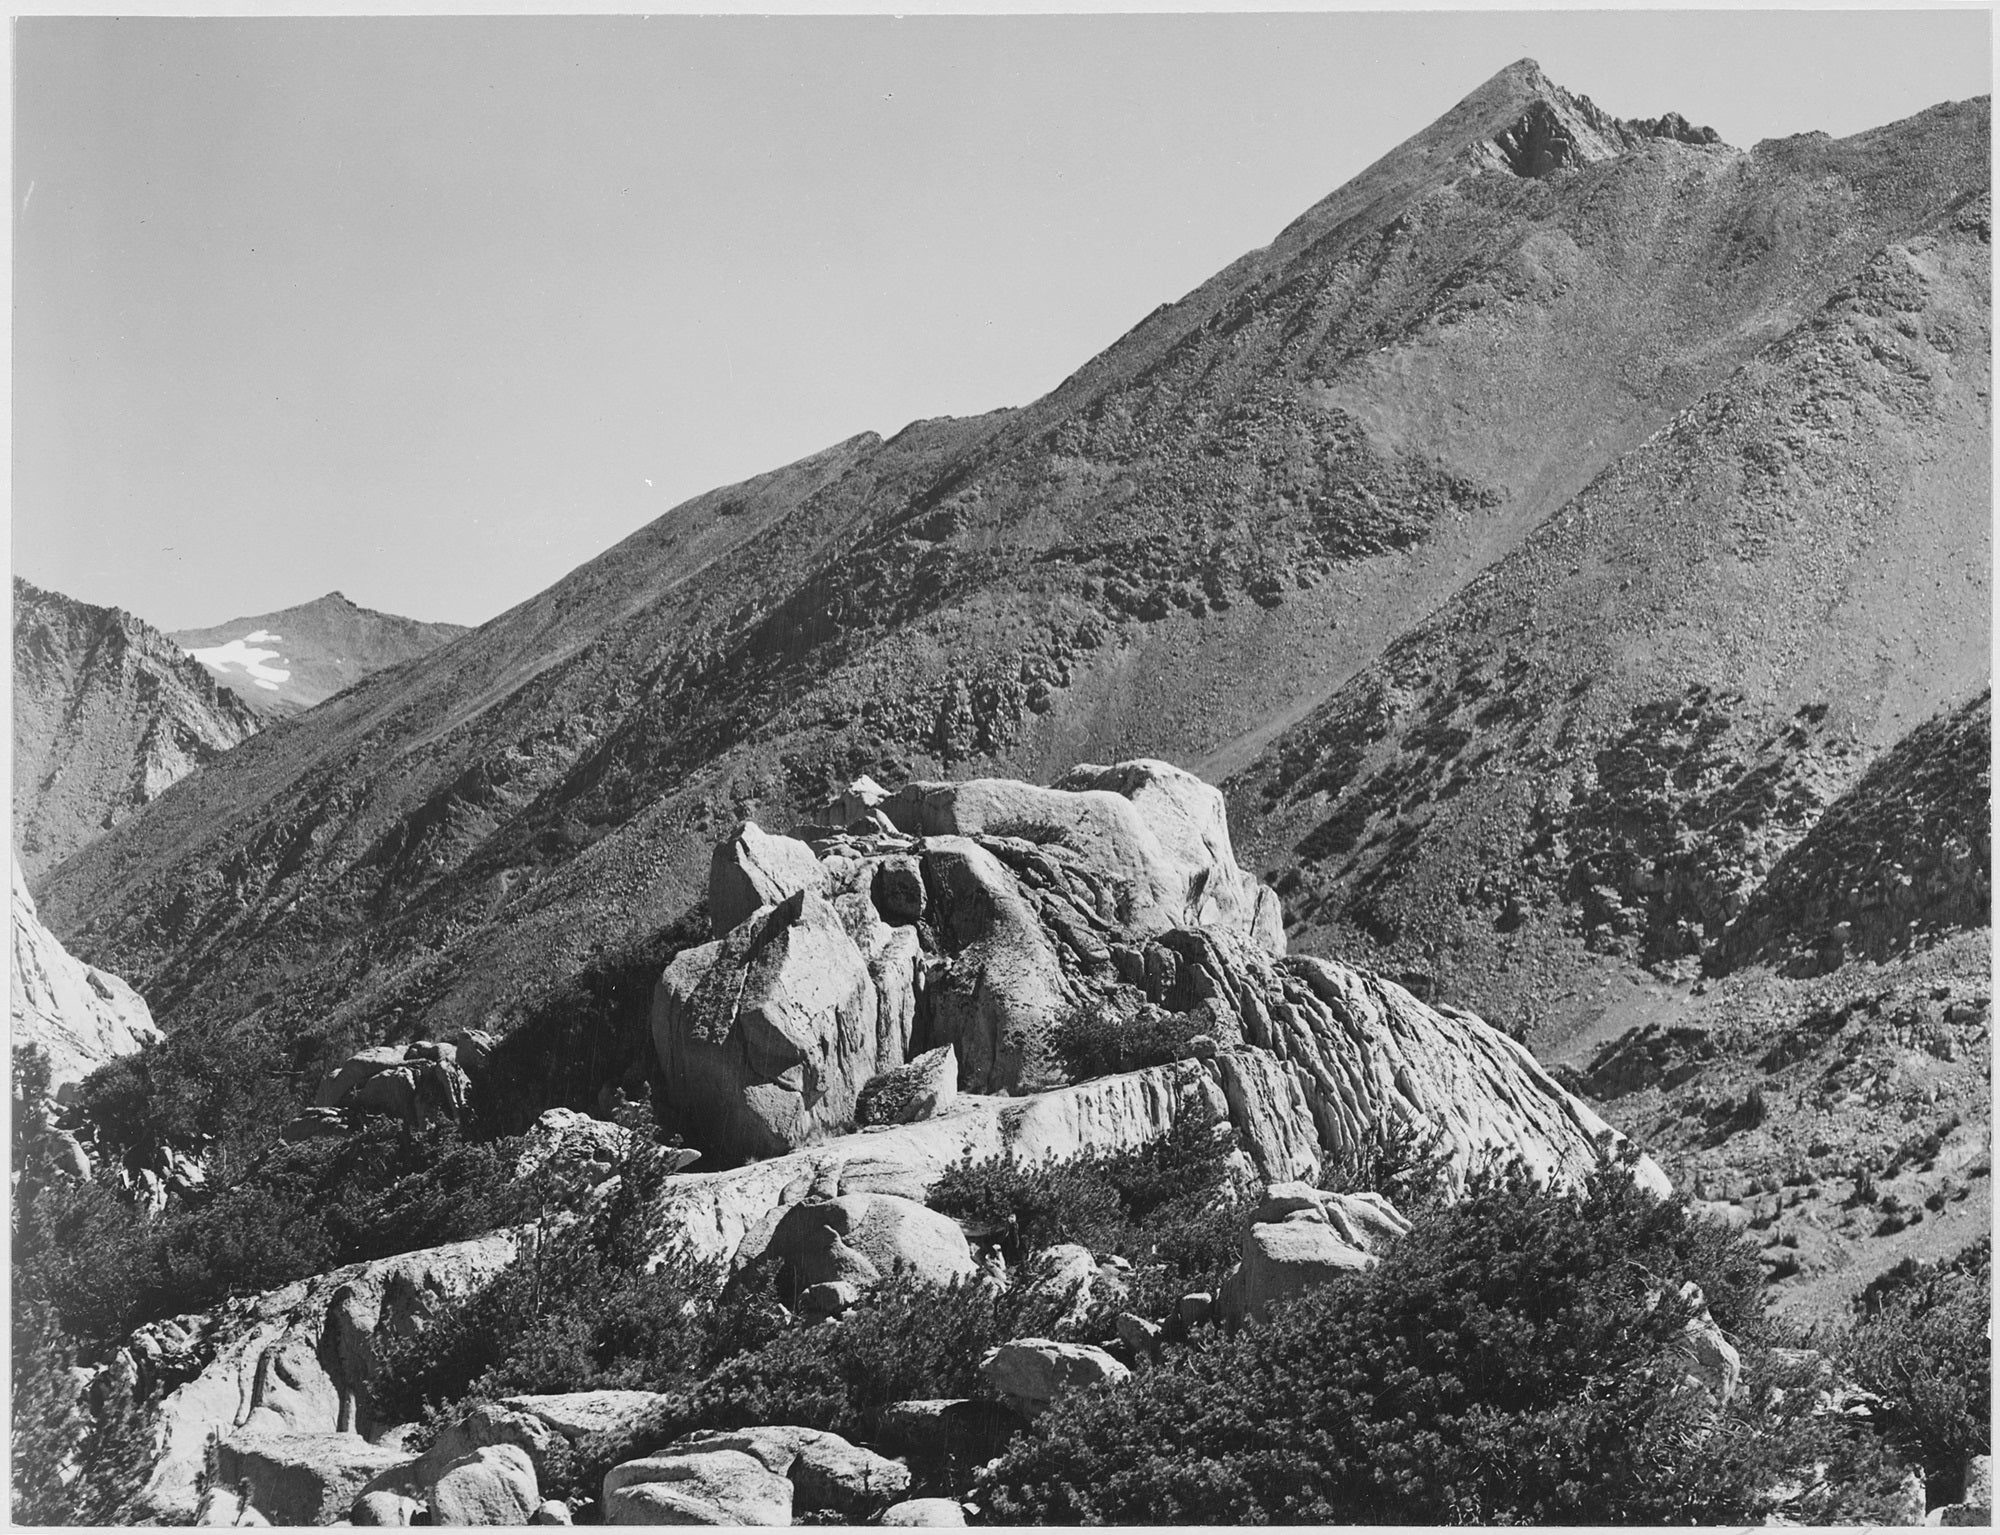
[
  {"x": 988, "y": 914},
  {"x": 768, "y": 1035},
  {"x": 970, "y": 919}
]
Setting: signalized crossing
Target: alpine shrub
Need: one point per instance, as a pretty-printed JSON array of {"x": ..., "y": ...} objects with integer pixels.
[
  {"x": 589, "y": 1309},
  {"x": 906, "y": 1340},
  {"x": 72, "y": 1463},
  {"x": 1098, "y": 1041},
  {"x": 301, "y": 1209},
  {"x": 1514, "y": 1358},
  {"x": 1410, "y": 1169},
  {"x": 1921, "y": 1345}
]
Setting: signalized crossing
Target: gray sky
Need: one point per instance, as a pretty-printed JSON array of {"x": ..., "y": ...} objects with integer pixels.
[{"x": 431, "y": 311}]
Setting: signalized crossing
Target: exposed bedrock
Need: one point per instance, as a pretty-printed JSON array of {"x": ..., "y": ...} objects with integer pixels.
[
  {"x": 989, "y": 916},
  {"x": 289, "y": 1371}
]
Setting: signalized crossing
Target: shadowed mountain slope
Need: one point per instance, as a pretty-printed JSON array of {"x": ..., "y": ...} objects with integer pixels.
[
  {"x": 285, "y": 662},
  {"x": 108, "y": 714},
  {"x": 1180, "y": 552}
]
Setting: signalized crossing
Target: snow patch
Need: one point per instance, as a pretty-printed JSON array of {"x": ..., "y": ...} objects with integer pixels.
[{"x": 244, "y": 654}]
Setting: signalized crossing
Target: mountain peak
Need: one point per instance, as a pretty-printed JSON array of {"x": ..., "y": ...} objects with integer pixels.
[
  {"x": 289, "y": 660},
  {"x": 1542, "y": 128}
]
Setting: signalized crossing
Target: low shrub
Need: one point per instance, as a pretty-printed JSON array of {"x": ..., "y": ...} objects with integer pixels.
[
  {"x": 1920, "y": 1344},
  {"x": 301, "y": 1209},
  {"x": 1100, "y": 1041},
  {"x": 590, "y": 1309},
  {"x": 907, "y": 1339},
  {"x": 1108, "y": 1203},
  {"x": 1410, "y": 1169},
  {"x": 71, "y": 1464},
  {"x": 1511, "y": 1360}
]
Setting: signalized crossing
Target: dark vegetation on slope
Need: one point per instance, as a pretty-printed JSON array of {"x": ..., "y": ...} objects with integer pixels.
[
  {"x": 1506, "y": 1363},
  {"x": 1596, "y": 754},
  {"x": 103, "y": 1267},
  {"x": 1904, "y": 856}
]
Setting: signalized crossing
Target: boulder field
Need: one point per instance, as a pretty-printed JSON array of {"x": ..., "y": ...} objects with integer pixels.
[{"x": 883, "y": 1000}]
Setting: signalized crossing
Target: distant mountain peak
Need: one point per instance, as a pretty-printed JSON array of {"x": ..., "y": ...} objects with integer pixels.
[{"x": 289, "y": 660}]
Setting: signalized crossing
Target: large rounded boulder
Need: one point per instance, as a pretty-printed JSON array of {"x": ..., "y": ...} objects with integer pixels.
[{"x": 766, "y": 1037}]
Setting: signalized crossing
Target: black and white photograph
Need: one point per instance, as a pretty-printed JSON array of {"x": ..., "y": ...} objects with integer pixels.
[{"x": 976, "y": 766}]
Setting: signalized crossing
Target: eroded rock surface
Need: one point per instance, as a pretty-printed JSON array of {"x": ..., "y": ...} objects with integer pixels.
[
  {"x": 1298, "y": 1236},
  {"x": 983, "y": 918},
  {"x": 753, "y": 869},
  {"x": 1030, "y": 1373},
  {"x": 297, "y": 1361},
  {"x": 768, "y": 1035}
]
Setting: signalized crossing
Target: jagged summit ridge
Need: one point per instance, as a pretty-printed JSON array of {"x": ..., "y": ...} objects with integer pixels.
[{"x": 1553, "y": 130}]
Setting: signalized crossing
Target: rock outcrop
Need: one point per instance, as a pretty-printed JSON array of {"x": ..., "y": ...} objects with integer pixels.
[
  {"x": 1155, "y": 834},
  {"x": 285, "y": 1385},
  {"x": 827, "y": 1473},
  {"x": 1297, "y": 1236},
  {"x": 415, "y": 1083},
  {"x": 697, "y": 1487},
  {"x": 859, "y": 1239},
  {"x": 928, "y": 1085},
  {"x": 80, "y": 1017},
  {"x": 1010, "y": 909},
  {"x": 1029, "y": 1373},
  {"x": 768, "y": 1035},
  {"x": 754, "y": 869}
]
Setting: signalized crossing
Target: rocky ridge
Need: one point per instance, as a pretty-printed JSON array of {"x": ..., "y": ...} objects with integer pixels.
[{"x": 1589, "y": 752}]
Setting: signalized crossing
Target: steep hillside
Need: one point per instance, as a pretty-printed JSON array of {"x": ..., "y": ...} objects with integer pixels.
[
  {"x": 284, "y": 662},
  {"x": 1180, "y": 552},
  {"x": 108, "y": 713},
  {"x": 1598, "y": 751}
]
